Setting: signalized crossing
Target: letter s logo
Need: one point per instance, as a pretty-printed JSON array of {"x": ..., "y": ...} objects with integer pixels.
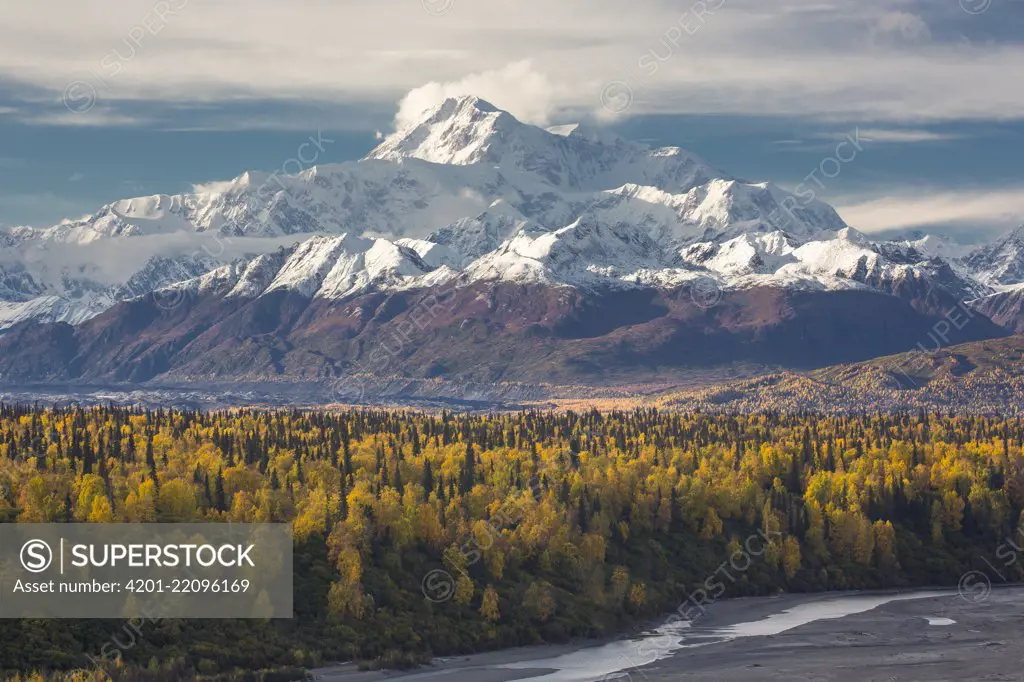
[{"x": 36, "y": 556}]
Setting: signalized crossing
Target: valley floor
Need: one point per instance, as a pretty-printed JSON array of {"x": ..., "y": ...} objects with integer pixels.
[
  {"x": 937, "y": 638},
  {"x": 898, "y": 641},
  {"x": 983, "y": 377}
]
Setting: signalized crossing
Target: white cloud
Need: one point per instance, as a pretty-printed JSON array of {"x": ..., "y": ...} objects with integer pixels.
[
  {"x": 904, "y": 135},
  {"x": 902, "y": 26},
  {"x": 928, "y": 207},
  {"x": 214, "y": 187},
  {"x": 95, "y": 118},
  {"x": 113, "y": 261},
  {"x": 748, "y": 57},
  {"x": 517, "y": 88}
]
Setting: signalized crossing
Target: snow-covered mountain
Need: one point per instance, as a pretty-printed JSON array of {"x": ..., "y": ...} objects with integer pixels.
[
  {"x": 322, "y": 267},
  {"x": 1000, "y": 263},
  {"x": 469, "y": 194}
]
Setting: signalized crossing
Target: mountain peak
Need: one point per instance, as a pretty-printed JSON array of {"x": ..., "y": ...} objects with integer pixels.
[
  {"x": 459, "y": 110},
  {"x": 460, "y": 130},
  {"x": 466, "y": 102},
  {"x": 1016, "y": 235},
  {"x": 1009, "y": 242},
  {"x": 592, "y": 134},
  {"x": 1002, "y": 261},
  {"x": 463, "y": 131}
]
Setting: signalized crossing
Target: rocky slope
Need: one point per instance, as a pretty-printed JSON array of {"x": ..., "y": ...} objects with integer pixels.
[{"x": 979, "y": 377}]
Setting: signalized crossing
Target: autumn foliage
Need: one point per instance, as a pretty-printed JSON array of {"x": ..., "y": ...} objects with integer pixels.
[{"x": 549, "y": 524}]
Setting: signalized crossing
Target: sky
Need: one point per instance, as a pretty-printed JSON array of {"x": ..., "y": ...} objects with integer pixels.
[{"x": 107, "y": 99}]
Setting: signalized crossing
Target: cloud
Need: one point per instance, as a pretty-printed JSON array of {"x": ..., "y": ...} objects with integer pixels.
[
  {"x": 901, "y": 135},
  {"x": 903, "y": 26},
  {"x": 849, "y": 60},
  {"x": 85, "y": 119},
  {"x": 929, "y": 207},
  {"x": 113, "y": 261},
  {"x": 517, "y": 88},
  {"x": 214, "y": 187}
]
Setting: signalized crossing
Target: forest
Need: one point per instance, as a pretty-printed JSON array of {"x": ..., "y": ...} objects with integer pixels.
[{"x": 429, "y": 534}]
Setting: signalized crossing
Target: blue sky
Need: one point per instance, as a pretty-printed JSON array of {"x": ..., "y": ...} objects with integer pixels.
[{"x": 105, "y": 100}]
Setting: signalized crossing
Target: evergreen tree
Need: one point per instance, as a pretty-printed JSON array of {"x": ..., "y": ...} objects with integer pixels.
[{"x": 219, "y": 498}]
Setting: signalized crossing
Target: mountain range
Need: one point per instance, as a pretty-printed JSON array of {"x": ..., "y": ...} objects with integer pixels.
[{"x": 472, "y": 247}]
